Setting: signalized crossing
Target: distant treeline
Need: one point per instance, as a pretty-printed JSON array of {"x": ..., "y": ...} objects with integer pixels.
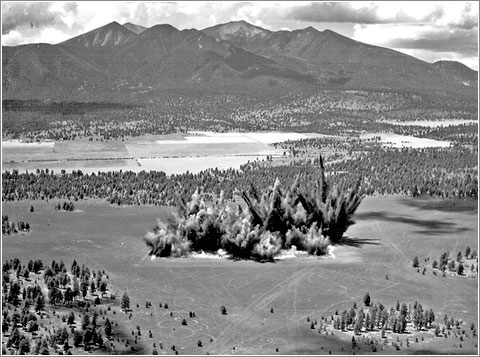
[
  {"x": 50, "y": 107},
  {"x": 445, "y": 172},
  {"x": 329, "y": 112}
]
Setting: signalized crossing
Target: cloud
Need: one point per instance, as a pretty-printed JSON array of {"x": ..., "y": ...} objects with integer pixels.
[
  {"x": 344, "y": 12},
  {"x": 17, "y": 15},
  {"x": 459, "y": 15},
  {"x": 464, "y": 42},
  {"x": 426, "y": 37},
  {"x": 453, "y": 14},
  {"x": 34, "y": 15}
]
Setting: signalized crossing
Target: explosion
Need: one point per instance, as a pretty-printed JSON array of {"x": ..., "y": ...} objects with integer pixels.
[{"x": 259, "y": 226}]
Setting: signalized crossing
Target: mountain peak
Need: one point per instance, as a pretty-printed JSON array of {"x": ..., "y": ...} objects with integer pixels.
[
  {"x": 114, "y": 25},
  {"x": 138, "y": 29},
  {"x": 246, "y": 24},
  {"x": 236, "y": 30},
  {"x": 313, "y": 29},
  {"x": 112, "y": 34},
  {"x": 161, "y": 28}
]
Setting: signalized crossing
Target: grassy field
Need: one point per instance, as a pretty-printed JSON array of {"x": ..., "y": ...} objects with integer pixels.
[
  {"x": 390, "y": 232},
  {"x": 399, "y": 141},
  {"x": 140, "y": 153},
  {"x": 63, "y": 150}
]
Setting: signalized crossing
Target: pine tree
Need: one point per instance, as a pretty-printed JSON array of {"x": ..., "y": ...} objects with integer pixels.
[
  {"x": 71, "y": 318},
  {"x": 87, "y": 337},
  {"x": 14, "y": 339},
  {"x": 467, "y": 252},
  {"x": 358, "y": 327},
  {"x": 24, "y": 346},
  {"x": 85, "y": 322},
  {"x": 37, "y": 266},
  {"x": 366, "y": 299},
  {"x": 84, "y": 288},
  {"x": 73, "y": 267},
  {"x": 108, "y": 328},
  {"x": 77, "y": 338},
  {"x": 367, "y": 322},
  {"x": 94, "y": 319},
  {"x": 76, "y": 287},
  {"x": 451, "y": 265},
  {"x": 39, "y": 303},
  {"x": 125, "y": 303},
  {"x": 416, "y": 264}
]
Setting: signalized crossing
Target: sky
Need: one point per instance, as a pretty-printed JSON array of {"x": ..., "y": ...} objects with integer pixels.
[{"x": 431, "y": 30}]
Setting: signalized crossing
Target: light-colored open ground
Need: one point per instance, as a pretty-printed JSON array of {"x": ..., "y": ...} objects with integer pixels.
[
  {"x": 172, "y": 154},
  {"x": 399, "y": 141},
  {"x": 432, "y": 123},
  {"x": 389, "y": 233}
]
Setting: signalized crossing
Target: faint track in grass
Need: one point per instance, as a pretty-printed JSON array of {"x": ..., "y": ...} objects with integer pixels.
[
  {"x": 260, "y": 302},
  {"x": 393, "y": 245},
  {"x": 325, "y": 310},
  {"x": 295, "y": 318},
  {"x": 112, "y": 275},
  {"x": 195, "y": 281}
]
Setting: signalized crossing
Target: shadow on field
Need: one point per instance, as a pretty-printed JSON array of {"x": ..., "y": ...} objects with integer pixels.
[
  {"x": 357, "y": 242},
  {"x": 428, "y": 226},
  {"x": 319, "y": 344},
  {"x": 469, "y": 206}
]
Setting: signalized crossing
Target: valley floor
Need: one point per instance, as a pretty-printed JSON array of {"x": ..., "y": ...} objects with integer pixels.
[{"x": 376, "y": 258}]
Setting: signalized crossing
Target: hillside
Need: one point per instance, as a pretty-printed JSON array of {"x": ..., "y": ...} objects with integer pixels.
[
  {"x": 340, "y": 61},
  {"x": 111, "y": 61},
  {"x": 45, "y": 71}
]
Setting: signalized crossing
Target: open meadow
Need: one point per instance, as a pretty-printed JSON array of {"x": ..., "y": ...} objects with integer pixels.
[
  {"x": 267, "y": 304},
  {"x": 172, "y": 154}
]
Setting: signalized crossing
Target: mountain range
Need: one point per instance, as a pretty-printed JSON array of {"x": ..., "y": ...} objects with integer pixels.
[{"x": 116, "y": 60}]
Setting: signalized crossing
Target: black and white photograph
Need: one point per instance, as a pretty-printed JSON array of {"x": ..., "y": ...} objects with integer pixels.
[{"x": 239, "y": 178}]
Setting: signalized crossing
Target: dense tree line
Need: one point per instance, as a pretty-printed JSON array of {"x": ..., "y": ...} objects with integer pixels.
[
  {"x": 49, "y": 107},
  {"x": 441, "y": 172},
  {"x": 447, "y": 172},
  {"x": 328, "y": 112},
  {"x": 463, "y": 134}
]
